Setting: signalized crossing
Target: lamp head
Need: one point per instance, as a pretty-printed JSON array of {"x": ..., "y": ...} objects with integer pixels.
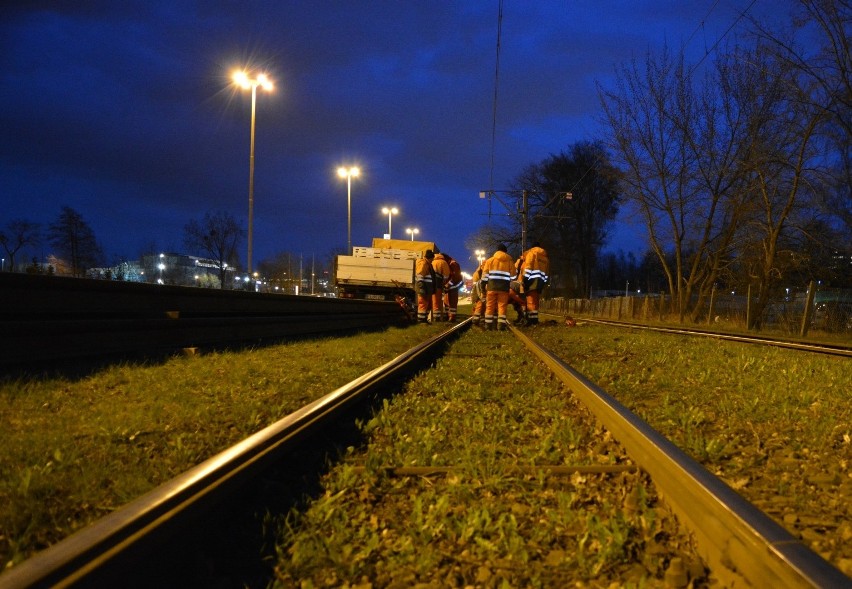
[{"x": 345, "y": 172}]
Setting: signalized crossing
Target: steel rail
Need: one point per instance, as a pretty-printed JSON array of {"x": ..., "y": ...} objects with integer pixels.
[
  {"x": 835, "y": 350},
  {"x": 741, "y": 544},
  {"x": 100, "y": 550}
]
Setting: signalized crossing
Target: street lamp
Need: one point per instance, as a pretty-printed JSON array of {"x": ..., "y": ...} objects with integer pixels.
[
  {"x": 242, "y": 79},
  {"x": 390, "y": 213},
  {"x": 412, "y": 232},
  {"x": 161, "y": 266},
  {"x": 348, "y": 173},
  {"x": 480, "y": 255}
]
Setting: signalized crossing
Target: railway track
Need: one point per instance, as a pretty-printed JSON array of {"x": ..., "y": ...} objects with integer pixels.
[
  {"x": 833, "y": 350},
  {"x": 172, "y": 525}
]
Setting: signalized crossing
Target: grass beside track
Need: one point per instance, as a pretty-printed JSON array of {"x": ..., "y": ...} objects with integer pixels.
[
  {"x": 774, "y": 423},
  {"x": 72, "y": 451},
  {"x": 486, "y": 408}
]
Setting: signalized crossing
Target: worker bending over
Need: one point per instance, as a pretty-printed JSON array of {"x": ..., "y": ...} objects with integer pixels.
[
  {"x": 423, "y": 279},
  {"x": 451, "y": 289},
  {"x": 441, "y": 268},
  {"x": 535, "y": 267},
  {"x": 498, "y": 272}
]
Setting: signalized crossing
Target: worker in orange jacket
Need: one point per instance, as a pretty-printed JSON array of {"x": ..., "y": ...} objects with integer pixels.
[
  {"x": 498, "y": 272},
  {"x": 517, "y": 300},
  {"x": 441, "y": 266},
  {"x": 477, "y": 295},
  {"x": 425, "y": 285},
  {"x": 451, "y": 289},
  {"x": 535, "y": 278}
]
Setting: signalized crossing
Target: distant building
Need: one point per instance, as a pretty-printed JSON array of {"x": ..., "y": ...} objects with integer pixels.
[
  {"x": 128, "y": 271},
  {"x": 167, "y": 268},
  {"x": 184, "y": 270}
]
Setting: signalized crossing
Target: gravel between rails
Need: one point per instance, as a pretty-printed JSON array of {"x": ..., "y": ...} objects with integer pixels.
[{"x": 486, "y": 413}]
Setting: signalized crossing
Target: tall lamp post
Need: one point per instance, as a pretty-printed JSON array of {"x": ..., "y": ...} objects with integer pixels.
[
  {"x": 412, "y": 232},
  {"x": 348, "y": 173},
  {"x": 244, "y": 81},
  {"x": 161, "y": 266},
  {"x": 390, "y": 212}
]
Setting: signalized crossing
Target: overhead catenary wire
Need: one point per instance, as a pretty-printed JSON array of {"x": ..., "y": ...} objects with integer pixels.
[
  {"x": 719, "y": 40},
  {"x": 494, "y": 105},
  {"x": 707, "y": 52}
]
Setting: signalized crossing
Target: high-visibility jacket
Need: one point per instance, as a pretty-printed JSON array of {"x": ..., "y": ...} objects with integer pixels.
[
  {"x": 535, "y": 265},
  {"x": 456, "y": 278},
  {"x": 442, "y": 271},
  {"x": 477, "y": 291},
  {"x": 498, "y": 271},
  {"x": 423, "y": 277}
]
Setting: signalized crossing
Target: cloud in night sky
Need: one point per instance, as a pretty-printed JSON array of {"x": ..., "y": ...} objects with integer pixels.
[{"x": 125, "y": 111}]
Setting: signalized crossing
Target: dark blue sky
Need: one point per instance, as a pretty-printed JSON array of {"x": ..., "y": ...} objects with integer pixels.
[{"x": 125, "y": 112}]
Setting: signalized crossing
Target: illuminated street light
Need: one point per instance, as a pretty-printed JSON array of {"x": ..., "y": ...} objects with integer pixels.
[
  {"x": 348, "y": 173},
  {"x": 480, "y": 255},
  {"x": 244, "y": 81},
  {"x": 390, "y": 213},
  {"x": 161, "y": 266},
  {"x": 412, "y": 232}
]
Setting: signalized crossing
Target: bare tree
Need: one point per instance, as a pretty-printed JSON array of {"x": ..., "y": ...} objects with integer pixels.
[
  {"x": 653, "y": 115},
  {"x": 18, "y": 234},
  {"x": 824, "y": 59},
  {"x": 573, "y": 197},
  {"x": 216, "y": 237},
  {"x": 75, "y": 242},
  {"x": 784, "y": 159},
  {"x": 721, "y": 173}
]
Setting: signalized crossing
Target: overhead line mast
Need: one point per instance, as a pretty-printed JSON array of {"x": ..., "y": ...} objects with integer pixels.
[{"x": 494, "y": 108}]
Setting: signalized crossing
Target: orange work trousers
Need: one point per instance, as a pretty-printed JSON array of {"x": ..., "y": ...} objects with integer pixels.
[
  {"x": 438, "y": 306},
  {"x": 496, "y": 301},
  {"x": 451, "y": 303},
  {"x": 424, "y": 303},
  {"x": 533, "y": 298}
]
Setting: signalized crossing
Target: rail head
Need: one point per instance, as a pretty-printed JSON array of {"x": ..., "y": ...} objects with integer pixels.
[{"x": 834, "y": 350}]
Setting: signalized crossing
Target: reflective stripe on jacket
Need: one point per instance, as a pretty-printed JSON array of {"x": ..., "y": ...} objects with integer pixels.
[
  {"x": 456, "y": 278},
  {"x": 498, "y": 271},
  {"x": 442, "y": 271},
  {"x": 423, "y": 277},
  {"x": 536, "y": 266}
]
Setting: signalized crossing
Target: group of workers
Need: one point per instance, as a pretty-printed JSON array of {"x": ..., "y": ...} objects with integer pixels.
[
  {"x": 498, "y": 281},
  {"x": 438, "y": 280}
]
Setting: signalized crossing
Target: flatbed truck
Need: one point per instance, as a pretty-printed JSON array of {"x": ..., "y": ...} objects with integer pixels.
[{"x": 384, "y": 271}]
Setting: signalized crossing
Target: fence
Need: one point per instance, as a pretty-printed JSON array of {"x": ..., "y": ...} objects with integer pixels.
[{"x": 824, "y": 311}]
